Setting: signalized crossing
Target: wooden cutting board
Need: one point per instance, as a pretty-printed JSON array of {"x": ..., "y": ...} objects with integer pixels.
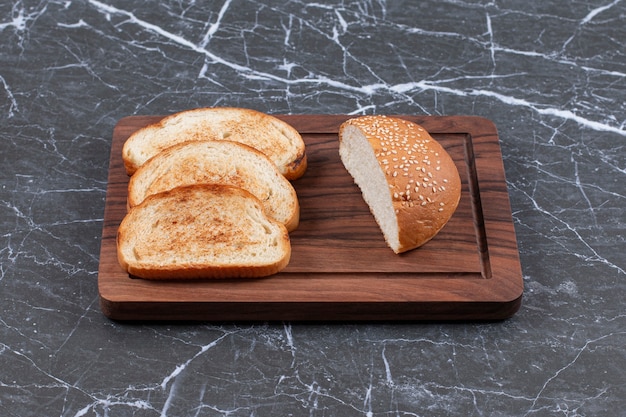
[{"x": 341, "y": 268}]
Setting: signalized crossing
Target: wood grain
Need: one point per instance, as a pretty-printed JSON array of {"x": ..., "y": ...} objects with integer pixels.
[{"x": 341, "y": 268}]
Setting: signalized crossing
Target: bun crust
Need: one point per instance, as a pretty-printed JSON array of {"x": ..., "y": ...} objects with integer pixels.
[
  {"x": 409, "y": 181},
  {"x": 282, "y": 144},
  {"x": 201, "y": 231}
]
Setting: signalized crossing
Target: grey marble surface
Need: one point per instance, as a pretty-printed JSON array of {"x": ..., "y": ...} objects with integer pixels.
[{"x": 551, "y": 75}]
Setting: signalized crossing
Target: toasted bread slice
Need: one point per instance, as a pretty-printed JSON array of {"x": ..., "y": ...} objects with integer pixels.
[
  {"x": 201, "y": 231},
  {"x": 218, "y": 162},
  {"x": 268, "y": 134}
]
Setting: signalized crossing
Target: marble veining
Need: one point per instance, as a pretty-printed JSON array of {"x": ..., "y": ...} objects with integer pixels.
[{"x": 550, "y": 75}]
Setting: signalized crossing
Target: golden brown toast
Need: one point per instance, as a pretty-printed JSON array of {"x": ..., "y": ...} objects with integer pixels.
[
  {"x": 282, "y": 144},
  {"x": 218, "y": 162},
  {"x": 201, "y": 231}
]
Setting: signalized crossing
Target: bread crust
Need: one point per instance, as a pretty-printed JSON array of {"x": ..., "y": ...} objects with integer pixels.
[
  {"x": 423, "y": 181},
  {"x": 201, "y": 231},
  {"x": 268, "y": 134}
]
